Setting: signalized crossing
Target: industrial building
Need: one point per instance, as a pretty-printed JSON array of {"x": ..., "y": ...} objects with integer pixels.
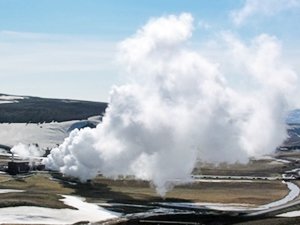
[{"x": 17, "y": 167}]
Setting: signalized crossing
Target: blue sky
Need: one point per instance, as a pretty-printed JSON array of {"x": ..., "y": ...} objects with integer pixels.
[
  {"x": 67, "y": 48},
  {"x": 109, "y": 19}
]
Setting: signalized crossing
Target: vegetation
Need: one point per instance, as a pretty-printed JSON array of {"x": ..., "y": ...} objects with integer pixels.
[
  {"x": 39, "y": 190},
  {"x": 257, "y": 168},
  {"x": 39, "y": 110},
  {"x": 132, "y": 191},
  {"x": 43, "y": 190}
]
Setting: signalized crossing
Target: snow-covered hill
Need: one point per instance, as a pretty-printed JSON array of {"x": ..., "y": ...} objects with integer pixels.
[
  {"x": 5, "y": 99},
  {"x": 47, "y": 122},
  {"x": 43, "y": 121},
  {"x": 293, "y": 117},
  {"x": 46, "y": 135}
]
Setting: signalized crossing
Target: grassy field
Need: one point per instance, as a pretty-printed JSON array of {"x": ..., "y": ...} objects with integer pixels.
[
  {"x": 263, "y": 168},
  {"x": 39, "y": 189},
  {"x": 132, "y": 191},
  {"x": 42, "y": 190}
]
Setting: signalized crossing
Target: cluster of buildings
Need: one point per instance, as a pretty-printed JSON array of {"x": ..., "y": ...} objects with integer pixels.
[
  {"x": 291, "y": 174},
  {"x": 16, "y": 166}
]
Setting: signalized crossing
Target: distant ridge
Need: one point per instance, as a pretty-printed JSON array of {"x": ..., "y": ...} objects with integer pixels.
[
  {"x": 26, "y": 109},
  {"x": 293, "y": 117}
]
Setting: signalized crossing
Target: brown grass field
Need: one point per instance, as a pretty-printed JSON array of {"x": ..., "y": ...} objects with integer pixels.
[
  {"x": 39, "y": 191},
  {"x": 128, "y": 191},
  {"x": 42, "y": 190}
]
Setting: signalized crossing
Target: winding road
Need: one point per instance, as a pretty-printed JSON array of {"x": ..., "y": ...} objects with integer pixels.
[{"x": 283, "y": 203}]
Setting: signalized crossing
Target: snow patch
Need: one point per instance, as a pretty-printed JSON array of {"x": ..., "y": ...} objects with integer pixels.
[
  {"x": 222, "y": 181},
  {"x": 213, "y": 206},
  {"x": 10, "y": 98},
  {"x": 46, "y": 135},
  {"x": 40, "y": 215},
  {"x": 6, "y": 99},
  {"x": 290, "y": 214},
  {"x": 7, "y": 102},
  {"x": 4, "y": 191}
]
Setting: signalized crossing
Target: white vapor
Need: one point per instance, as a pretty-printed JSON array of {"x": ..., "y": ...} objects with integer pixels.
[
  {"x": 27, "y": 151},
  {"x": 178, "y": 109},
  {"x": 262, "y": 7}
]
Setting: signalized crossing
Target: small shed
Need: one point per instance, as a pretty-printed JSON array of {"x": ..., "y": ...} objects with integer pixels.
[{"x": 18, "y": 167}]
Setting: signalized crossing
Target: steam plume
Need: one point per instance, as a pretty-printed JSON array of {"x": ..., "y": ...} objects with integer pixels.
[
  {"x": 178, "y": 108},
  {"x": 27, "y": 151}
]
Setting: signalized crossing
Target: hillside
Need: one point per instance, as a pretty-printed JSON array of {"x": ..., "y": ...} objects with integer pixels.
[
  {"x": 20, "y": 117},
  {"x": 293, "y": 117},
  {"x": 44, "y": 121},
  {"x": 24, "y": 109}
]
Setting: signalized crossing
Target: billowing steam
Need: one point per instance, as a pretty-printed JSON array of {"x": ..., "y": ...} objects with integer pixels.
[
  {"x": 28, "y": 152},
  {"x": 179, "y": 108}
]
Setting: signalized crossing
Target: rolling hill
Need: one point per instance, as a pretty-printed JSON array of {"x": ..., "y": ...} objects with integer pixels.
[
  {"x": 44, "y": 121},
  {"x": 25, "y": 109}
]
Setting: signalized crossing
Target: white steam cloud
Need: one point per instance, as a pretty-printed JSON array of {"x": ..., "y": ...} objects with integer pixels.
[
  {"x": 27, "y": 151},
  {"x": 261, "y": 7},
  {"x": 179, "y": 109}
]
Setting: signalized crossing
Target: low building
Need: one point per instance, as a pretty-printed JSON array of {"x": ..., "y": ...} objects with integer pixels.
[
  {"x": 291, "y": 174},
  {"x": 14, "y": 168}
]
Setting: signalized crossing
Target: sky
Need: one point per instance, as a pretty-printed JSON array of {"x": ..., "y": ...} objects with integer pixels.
[{"x": 68, "y": 49}]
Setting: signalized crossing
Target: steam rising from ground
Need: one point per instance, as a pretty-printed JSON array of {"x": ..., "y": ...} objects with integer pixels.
[
  {"x": 28, "y": 152},
  {"x": 178, "y": 108}
]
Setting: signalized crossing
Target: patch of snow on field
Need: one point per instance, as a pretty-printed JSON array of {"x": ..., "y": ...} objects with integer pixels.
[
  {"x": 209, "y": 205},
  {"x": 40, "y": 215},
  {"x": 91, "y": 211},
  {"x": 272, "y": 159},
  {"x": 283, "y": 161},
  {"x": 222, "y": 181},
  {"x": 290, "y": 214},
  {"x": 4, "y": 191}
]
